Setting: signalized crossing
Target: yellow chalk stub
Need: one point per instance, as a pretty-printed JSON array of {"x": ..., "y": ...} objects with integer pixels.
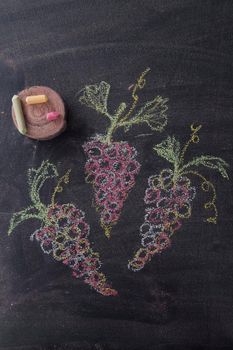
[
  {"x": 35, "y": 99},
  {"x": 19, "y": 114}
]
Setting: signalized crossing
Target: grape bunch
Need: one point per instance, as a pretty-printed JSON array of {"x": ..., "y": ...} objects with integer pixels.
[
  {"x": 64, "y": 231},
  {"x": 65, "y": 237},
  {"x": 169, "y": 202},
  {"x": 169, "y": 196},
  {"x": 111, "y": 169},
  {"x": 111, "y": 166}
]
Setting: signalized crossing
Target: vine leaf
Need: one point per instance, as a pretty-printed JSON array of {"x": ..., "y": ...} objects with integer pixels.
[
  {"x": 96, "y": 96},
  {"x": 169, "y": 149},
  {"x": 210, "y": 162},
  {"x": 153, "y": 113},
  {"x": 25, "y": 214},
  {"x": 37, "y": 178}
]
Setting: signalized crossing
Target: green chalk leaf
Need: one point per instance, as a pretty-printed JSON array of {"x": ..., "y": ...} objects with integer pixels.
[
  {"x": 31, "y": 175},
  {"x": 211, "y": 162},
  {"x": 25, "y": 214},
  {"x": 169, "y": 149},
  {"x": 96, "y": 96},
  {"x": 37, "y": 178},
  {"x": 153, "y": 113}
]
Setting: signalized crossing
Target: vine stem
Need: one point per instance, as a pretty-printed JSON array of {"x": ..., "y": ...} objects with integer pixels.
[
  {"x": 194, "y": 138},
  {"x": 115, "y": 124},
  {"x": 58, "y": 187},
  {"x": 117, "y": 120},
  {"x": 141, "y": 81},
  {"x": 176, "y": 171},
  {"x": 109, "y": 116},
  {"x": 113, "y": 127}
]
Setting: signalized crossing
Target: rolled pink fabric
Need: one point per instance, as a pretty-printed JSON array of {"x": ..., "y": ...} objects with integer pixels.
[{"x": 53, "y": 116}]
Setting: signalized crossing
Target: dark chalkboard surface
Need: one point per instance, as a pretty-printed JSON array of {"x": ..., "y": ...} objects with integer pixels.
[{"x": 182, "y": 299}]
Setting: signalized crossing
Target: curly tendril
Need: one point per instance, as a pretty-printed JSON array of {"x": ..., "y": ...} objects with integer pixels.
[
  {"x": 207, "y": 186},
  {"x": 141, "y": 82},
  {"x": 59, "y": 188}
]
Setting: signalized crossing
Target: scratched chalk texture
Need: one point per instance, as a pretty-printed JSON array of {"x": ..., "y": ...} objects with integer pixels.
[{"x": 163, "y": 136}]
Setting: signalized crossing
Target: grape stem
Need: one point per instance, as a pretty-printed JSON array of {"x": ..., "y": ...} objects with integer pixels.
[
  {"x": 179, "y": 164},
  {"x": 58, "y": 188},
  {"x": 119, "y": 120},
  {"x": 115, "y": 124}
]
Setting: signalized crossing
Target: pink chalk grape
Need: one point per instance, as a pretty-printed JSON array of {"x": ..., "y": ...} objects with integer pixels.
[
  {"x": 168, "y": 203},
  {"x": 65, "y": 237},
  {"x": 111, "y": 169}
]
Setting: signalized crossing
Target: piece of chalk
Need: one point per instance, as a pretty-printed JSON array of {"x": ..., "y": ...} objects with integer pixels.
[
  {"x": 35, "y": 99},
  {"x": 38, "y": 127},
  {"x": 52, "y": 116},
  {"x": 19, "y": 114}
]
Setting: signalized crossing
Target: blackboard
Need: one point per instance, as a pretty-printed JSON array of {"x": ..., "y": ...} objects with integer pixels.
[{"x": 182, "y": 299}]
